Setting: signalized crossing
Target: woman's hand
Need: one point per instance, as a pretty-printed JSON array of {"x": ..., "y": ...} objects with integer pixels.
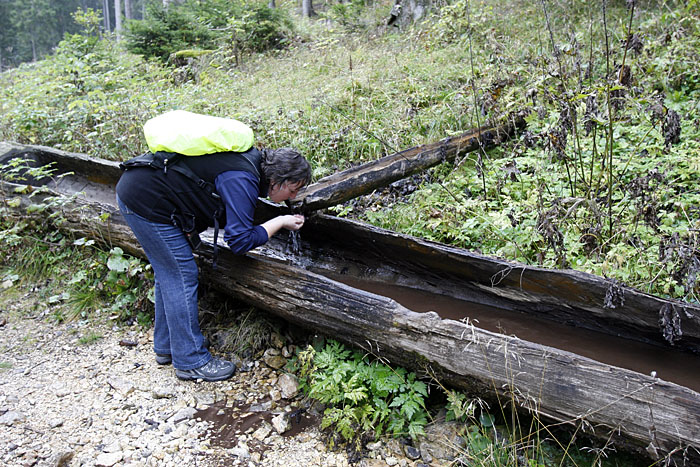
[
  {"x": 289, "y": 221},
  {"x": 293, "y": 221}
]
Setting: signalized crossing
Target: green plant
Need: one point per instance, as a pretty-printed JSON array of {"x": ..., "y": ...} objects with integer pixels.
[
  {"x": 167, "y": 30},
  {"x": 90, "y": 338},
  {"x": 33, "y": 248},
  {"x": 122, "y": 282},
  {"x": 5, "y": 365},
  {"x": 362, "y": 397}
]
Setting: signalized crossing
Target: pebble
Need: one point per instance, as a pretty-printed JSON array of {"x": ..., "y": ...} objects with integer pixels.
[
  {"x": 183, "y": 414},
  {"x": 262, "y": 432},
  {"x": 412, "y": 453},
  {"x": 109, "y": 459},
  {"x": 281, "y": 423},
  {"x": 12, "y": 417},
  {"x": 288, "y": 385}
]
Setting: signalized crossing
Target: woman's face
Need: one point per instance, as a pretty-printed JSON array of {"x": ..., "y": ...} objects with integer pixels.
[{"x": 283, "y": 191}]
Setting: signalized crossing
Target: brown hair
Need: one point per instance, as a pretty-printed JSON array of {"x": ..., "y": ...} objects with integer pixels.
[{"x": 285, "y": 165}]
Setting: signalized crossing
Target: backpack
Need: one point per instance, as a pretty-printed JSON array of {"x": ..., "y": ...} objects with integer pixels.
[{"x": 194, "y": 134}]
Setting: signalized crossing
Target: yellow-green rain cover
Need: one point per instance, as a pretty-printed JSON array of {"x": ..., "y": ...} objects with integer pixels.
[{"x": 195, "y": 134}]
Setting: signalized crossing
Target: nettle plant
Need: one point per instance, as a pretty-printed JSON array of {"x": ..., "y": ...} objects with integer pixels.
[{"x": 363, "y": 397}]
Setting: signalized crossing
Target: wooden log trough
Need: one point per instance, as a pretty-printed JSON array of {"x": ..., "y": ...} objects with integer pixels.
[{"x": 355, "y": 282}]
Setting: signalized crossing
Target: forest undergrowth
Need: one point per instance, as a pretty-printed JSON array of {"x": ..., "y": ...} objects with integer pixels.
[{"x": 603, "y": 180}]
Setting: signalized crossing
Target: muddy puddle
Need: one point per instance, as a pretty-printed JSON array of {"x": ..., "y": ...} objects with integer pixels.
[
  {"x": 678, "y": 367},
  {"x": 229, "y": 421}
]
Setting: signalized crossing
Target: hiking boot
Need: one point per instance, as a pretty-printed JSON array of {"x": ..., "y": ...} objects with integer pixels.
[
  {"x": 215, "y": 370},
  {"x": 163, "y": 359}
]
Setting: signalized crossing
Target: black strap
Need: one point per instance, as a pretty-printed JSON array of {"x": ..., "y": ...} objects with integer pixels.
[{"x": 169, "y": 161}]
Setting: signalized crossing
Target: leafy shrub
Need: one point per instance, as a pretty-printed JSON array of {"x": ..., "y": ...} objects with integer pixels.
[
  {"x": 363, "y": 397},
  {"x": 250, "y": 27},
  {"x": 33, "y": 248}
]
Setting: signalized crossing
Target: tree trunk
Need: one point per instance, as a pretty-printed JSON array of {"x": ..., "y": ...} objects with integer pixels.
[
  {"x": 307, "y": 9},
  {"x": 406, "y": 12},
  {"x": 127, "y": 9},
  {"x": 105, "y": 12},
  {"x": 118, "y": 18},
  {"x": 271, "y": 4}
]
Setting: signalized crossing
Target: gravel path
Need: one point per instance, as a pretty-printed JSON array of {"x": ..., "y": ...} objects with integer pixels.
[{"x": 78, "y": 394}]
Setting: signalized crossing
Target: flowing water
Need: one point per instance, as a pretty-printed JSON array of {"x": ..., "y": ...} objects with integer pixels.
[{"x": 293, "y": 247}]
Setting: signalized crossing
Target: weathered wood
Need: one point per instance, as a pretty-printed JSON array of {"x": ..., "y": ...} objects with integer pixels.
[
  {"x": 554, "y": 384},
  {"x": 365, "y": 178},
  {"x": 559, "y": 385}
]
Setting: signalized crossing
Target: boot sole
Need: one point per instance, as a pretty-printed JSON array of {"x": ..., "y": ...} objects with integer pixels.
[{"x": 186, "y": 377}]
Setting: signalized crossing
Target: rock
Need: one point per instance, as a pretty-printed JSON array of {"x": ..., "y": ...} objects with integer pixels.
[
  {"x": 262, "y": 407},
  {"x": 262, "y": 432},
  {"x": 288, "y": 385},
  {"x": 241, "y": 452},
  {"x": 205, "y": 398},
  {"x": 287, "y": 351},
  {"x": 374, "y": 446},
  {"x": 442, "y": 441},
  {"x": 276, "y": 361},
  {"x": 122, "y": 386},
  {"x": 109, "y": 459},
  {"x": 63, "y": 392},
  {"x": 411, "y": 452},
  {"x": 275, "y": 395},
  {"x": 276, "y": 340},
  {"x": 113, "y": 447},
  {"x": 61, "y": 459},
  {"x": 12, "y": 417},
  {"x": 425, "y": 454},
  {"x": 373, "y": 463},
  {"x": 281, "y": 423},
  {"x": 163, "y": 393},
  {"x": 55, "y": 423},
  {"x": 183, "y": 414},
  {"x": 391, "y": 461}
]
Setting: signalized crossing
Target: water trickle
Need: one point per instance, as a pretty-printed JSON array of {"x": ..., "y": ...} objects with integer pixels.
[{"x": 293, "y": 243}]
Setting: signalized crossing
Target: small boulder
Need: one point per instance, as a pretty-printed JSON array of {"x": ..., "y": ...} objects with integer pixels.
[
  {"x": 281, "y": 423},
  {"x": 288, "y": 385}
]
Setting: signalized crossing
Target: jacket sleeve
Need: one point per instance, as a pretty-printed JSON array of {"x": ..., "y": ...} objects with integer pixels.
[{"x": 239, "y": 192}]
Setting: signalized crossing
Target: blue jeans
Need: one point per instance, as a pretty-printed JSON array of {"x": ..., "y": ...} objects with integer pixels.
[{"x": 176, "y": 330}]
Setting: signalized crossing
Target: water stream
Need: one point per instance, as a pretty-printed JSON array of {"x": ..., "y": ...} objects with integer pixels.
[{"x": 670, "y": 365}]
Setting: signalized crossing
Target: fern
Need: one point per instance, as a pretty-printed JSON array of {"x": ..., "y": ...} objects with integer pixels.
[{"x": 364, "y": 396}]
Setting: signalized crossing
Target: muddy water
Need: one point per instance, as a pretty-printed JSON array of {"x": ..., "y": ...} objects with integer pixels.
[
  {"x": 678, "y": 367},
  {"x": 230, "y": 421}
]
